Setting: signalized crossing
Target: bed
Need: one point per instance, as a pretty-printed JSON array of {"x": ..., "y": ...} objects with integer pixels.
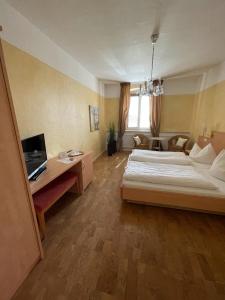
[{"x": 170, "y": 195}]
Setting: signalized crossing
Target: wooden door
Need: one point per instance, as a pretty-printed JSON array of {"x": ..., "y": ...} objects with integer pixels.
[{"x": 20, "y": 247}]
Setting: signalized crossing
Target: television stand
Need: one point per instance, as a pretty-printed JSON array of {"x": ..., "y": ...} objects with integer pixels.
[{"x": 38, "y": 173}]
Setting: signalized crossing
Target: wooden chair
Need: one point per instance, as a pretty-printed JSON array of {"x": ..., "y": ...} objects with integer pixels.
[
  {"x": 144, "y": 142},
  {"x": 173, "y": 141}
]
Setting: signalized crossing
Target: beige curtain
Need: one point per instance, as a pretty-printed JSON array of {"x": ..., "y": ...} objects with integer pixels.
[
  {"x": 155, "y": 113},
  {"x": 123, "y": 111},
  {"x": 155, "y": 104}
]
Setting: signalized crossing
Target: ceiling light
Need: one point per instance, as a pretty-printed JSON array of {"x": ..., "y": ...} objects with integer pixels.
[{"x": 152, "y": 87}]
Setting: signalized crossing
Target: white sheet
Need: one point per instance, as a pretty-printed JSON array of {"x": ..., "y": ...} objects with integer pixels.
[
  {"x": 176, "y": 158},
  {"x": 158, "y": 153},
  {"x": 176, "y": 175}
]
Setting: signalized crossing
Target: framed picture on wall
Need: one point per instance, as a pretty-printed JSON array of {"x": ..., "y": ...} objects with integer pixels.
[{"x": 94, "y": 117}]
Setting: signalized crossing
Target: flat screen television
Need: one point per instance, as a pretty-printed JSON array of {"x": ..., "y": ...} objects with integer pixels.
[{"x": 35, "y": 154}]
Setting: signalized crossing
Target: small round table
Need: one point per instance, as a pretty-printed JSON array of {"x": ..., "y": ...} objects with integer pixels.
[{"x": 158, "y": 140}]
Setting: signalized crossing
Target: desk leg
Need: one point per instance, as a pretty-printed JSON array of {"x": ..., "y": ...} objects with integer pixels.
[
  {"x": 76, "y": 188},
  {"x": 41, "y": 221},
  {"x": 79, "y": 171}
]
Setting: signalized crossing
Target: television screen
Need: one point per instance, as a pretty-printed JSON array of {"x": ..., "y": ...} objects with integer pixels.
[{"x": 34, "y": 153}]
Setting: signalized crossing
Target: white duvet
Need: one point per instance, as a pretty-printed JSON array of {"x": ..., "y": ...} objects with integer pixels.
[
  {"x": 184, "y": 176},
  {"x": 165, "y": 157},
  {"x": 157, "y": 153}
]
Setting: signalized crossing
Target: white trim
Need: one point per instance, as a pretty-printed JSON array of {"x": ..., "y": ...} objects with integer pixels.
[
  {"x": 18, "y": 31},
  {"x": 112, "y": 90},
  {"x": 182, "y": 86},
  {"x": 98, "y": 155},
  {"x": 213, "y": 76}
]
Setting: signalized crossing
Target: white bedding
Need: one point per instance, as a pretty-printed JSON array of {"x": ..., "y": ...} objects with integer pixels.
[
  {"x": 157, "y": 153},
  {"x": 218, "y": 193},
  {"x": 176, "y": 158},
  {"x": 166, "y": 174}
]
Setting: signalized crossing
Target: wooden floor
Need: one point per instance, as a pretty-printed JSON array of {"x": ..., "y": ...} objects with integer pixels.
[{"x": 99, "y": 248}]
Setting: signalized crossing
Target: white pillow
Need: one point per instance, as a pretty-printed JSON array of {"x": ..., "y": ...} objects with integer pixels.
[
  {"x": 205, "y": 156},
  {"x": 218, "y": 167},
  {"x": 195, "y": 150},
  {"x": 137, "y": 140},
  {"x": 181, "y": 142}
]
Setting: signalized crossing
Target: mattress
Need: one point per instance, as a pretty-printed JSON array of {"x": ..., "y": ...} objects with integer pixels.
[{"x": 201, "y": 168}]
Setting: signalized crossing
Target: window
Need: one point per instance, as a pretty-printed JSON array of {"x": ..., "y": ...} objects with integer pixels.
[{"x": 138, "y": 116}]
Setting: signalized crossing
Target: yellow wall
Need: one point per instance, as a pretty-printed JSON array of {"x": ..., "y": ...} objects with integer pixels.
[
  {"x": 48, "y": 101},
  {"x": 185, "y": 112},
  {"x": 177, "y": 111},
  {"x": 209, "y": 110},
  {"x": 112, "y": 111}
]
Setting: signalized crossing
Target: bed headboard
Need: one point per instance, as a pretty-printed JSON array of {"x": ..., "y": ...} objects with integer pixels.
[{"x": 217, "y": 140}]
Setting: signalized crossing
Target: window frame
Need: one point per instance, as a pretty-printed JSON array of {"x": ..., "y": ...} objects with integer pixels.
[{"x": 138, "y": 128}]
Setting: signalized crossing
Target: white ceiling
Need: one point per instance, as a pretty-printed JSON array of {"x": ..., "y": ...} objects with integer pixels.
[{"x": 111, "y": 38}]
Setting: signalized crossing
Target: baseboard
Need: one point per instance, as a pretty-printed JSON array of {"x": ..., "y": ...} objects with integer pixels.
[
  {"x": 98, "y": 155},
  {"x": 127, "y": 149}
]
